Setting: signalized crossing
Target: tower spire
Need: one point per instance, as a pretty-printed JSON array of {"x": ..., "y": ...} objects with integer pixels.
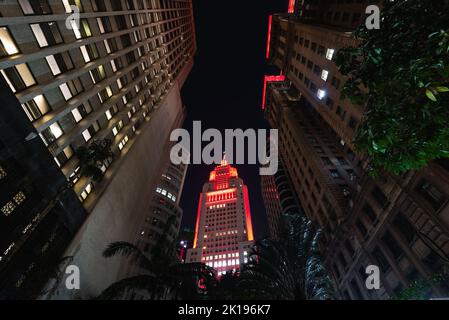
[{"x": 223, "y": 160}]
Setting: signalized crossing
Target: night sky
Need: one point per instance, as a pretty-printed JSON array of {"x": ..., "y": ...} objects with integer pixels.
[{"x": 224, "y": 89}]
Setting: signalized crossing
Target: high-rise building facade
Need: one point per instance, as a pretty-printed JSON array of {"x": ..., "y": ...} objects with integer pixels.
[
  {"x": 165, "y": 210},
  {"x": 162, "y": 222},
  {"x": 223, "y": 232},
  {"x": 39, "y": 213},
  {"x": 279, "y": 198},
  {"x": 398, "y": 223},
  {"x": 112, "y": 72}
]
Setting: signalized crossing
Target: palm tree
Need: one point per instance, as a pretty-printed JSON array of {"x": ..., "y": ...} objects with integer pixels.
[
  {"x": 290, "y": 269},
  {"x": 163, "y": 276},
  {"x": 92, "y": 158}
]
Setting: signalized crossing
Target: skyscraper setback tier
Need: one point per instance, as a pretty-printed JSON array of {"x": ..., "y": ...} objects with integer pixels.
[{"x": 223, "y": 232}]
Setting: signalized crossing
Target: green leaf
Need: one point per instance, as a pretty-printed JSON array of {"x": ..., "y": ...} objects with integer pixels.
[
  {"x": 430, "y": 95},
  {"x": 442, "y": 89}
]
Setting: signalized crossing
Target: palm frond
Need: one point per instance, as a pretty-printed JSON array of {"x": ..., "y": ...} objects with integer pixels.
[
  {"x": 117, "y": 290},
  {"x": 128, "y": 250}
]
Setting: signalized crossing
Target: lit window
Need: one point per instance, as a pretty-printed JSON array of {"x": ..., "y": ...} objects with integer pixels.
[
  {"x": 66, "y": 91},
  {"x": 324, "y": 75},
  {"x": 56, "y": 130},
  {"x": 106, "y": 44},
  {"x": 321, "y": 94},
  {"x": 18, "y": 77},
  {"x": 86, "y": 135},
  {"x": 19, "y": 198},
  {"x": 3, "y": 173},
  {"x": 77, "y": 115},
  {"x": 108, "y": 115},
  {"x": 53, "y": 65},
  {"x": 75, "y": 29},
  {"x": 85, "y": 54},
  {"x": 8, "y": 208},
  {"x": 330, "y": 54},
  {"x": 39, "y": 34},
  {"x": 85, "y": 193},
  {"x": 7, "y": 42}
]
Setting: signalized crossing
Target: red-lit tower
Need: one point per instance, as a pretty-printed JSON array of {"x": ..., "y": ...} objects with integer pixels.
[{"x": 223, "y": 232}]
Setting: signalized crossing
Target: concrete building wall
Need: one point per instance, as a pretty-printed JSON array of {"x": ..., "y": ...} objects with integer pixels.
[{"x": 118, "y": 213}]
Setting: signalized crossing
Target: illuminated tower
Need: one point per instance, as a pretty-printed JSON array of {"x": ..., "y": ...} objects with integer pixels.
[{"x": 223, "y": 232}]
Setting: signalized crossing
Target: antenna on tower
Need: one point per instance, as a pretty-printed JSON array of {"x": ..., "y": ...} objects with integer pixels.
[{"x": 224, "y": 161}]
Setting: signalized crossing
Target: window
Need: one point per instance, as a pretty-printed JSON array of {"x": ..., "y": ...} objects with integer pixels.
[
  {"x": 19, "y": 77},
  {"x": 432, "y": 194},
  {"x": 89, "y": 52},
  {"x": 7, "y": 44},
  {"x": 68, "y": 3},
  {"x": 402, "y": 223},
  {"x": 97, "y": 74},
  {"x": 381, "y": 259},
  {"x": 117, "y": 128},
  {"x": 335, "y": 174},
  {"x": 91, "y": 131},
  {"x": 81, "y": 112},
  {"x": 85, "y": 193},
  {"x": 62, "y": 158},
  {"x": 359, "y": 224},
  {"x": 46, "y": 33},
  {"x": 349, "y": 247},
  {"x": 321, "y": 94},
  {"x": 3, "y": 173},
  {"x": 123, "y": 142},
  {"x": 82, "y": 30},
  {"x": 330, "y": 54},
  {"x": 59, "y": 62},
  {"x": 379, "y": 196},
  {"x": 352, "y": 123},
  {"x": 71, "y": 88},
  {"x": 326, "y": 161},
  {"x": 324, "y": 75},
  {"x": 392, "y": 244},
  {"x": 356, "y": 290},
  {"x": 369, "y": 212},
  {"x": 309, "y": 64},
  {"x": 35, "y": 108},
  {"x": 35, "y": 6},
  {"x": 9, "y": 207},
  {"x": 321, "y": 50},
  {"x": 105, "y": 94}
]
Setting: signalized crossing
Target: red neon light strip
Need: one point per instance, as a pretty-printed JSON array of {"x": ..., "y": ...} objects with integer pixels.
[
  {"x": 267, "y": 79},
  {"x": 198, "y": 220},
  {"x": 291, "y": 6},
  {"x": 270, "y": 20},
  {"x": 249, "y": 224}
]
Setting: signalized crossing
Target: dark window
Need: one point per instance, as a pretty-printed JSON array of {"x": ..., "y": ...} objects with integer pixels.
[
  {"x": 402, "y": 223},
  {"x": 379, "y": 196},
  {"x": 381, "y": 259},
  {"x": 369, "y": 212},
  {"x": 352, "y": 122},
  {"x": 359, "y": 224},
  {"x": 349, "y": 247},
  {"x": 433, "y": 195},
  {"x": 392, "y": 244},
  {"x": 356, "y": 289}
]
